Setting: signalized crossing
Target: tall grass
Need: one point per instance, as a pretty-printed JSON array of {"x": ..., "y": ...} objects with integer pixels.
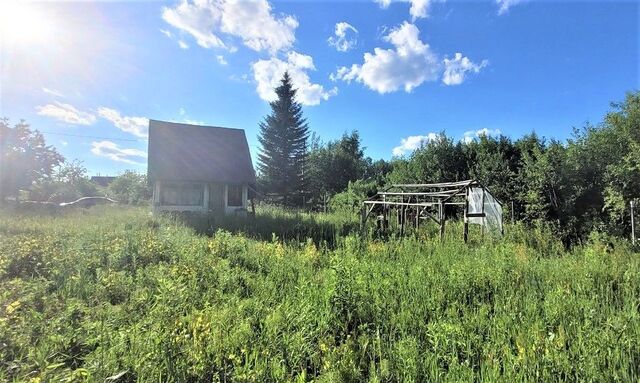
[
  {"x": 117, "y": 292},
  {"x": 287, "y": 225}
]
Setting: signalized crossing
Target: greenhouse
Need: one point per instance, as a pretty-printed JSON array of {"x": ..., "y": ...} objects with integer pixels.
[{"x": 411, "y": 204}]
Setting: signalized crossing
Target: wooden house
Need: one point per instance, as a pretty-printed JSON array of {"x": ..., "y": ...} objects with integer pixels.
[
  {"x": 103, "y": 181},
  {"x": 196, "y": 168}
]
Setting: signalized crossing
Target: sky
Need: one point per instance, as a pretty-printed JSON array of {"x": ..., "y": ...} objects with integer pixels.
[{"x": 89, "y": 75}]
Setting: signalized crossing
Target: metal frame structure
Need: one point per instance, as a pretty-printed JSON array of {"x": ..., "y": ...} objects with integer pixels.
[{"x": 412, "y": 203}]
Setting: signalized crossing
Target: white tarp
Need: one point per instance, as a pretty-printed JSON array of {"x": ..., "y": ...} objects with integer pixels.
[{"x": 480, "y": 201}]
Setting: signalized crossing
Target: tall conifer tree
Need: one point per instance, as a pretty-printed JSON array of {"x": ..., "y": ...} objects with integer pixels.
[{"x": 283, "y": 137}]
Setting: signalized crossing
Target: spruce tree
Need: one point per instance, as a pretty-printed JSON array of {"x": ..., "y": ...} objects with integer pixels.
[{"x": 283, "y": 137}]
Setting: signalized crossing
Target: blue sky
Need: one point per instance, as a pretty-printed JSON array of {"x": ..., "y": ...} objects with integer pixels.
[{"x": 90, "y": 74}]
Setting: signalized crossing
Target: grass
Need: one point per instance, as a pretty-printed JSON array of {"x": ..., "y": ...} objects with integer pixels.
[{"x": 118, "y": 293}]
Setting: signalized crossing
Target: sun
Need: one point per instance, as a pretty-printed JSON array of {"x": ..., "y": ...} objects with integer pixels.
[{"x": 23, "y": 22}]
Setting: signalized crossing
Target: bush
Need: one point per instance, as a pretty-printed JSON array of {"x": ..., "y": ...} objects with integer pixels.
[
  {"x": 351, "y": 199},
  {"x": 131, "y": 188}
]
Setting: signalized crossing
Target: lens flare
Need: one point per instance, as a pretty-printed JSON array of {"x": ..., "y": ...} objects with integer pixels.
[{"x": 22, "y": 23}]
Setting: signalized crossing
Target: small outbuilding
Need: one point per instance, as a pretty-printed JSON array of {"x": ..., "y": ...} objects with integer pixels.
[{"x": 197, "y": 168}]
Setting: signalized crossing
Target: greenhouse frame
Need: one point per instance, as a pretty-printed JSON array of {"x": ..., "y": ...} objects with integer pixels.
[{"x": 412, "y": 203}]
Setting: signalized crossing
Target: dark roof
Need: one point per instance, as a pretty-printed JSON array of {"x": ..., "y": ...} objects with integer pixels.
[
  {"x": 183, "y": 152},
  {"x": 103, "y": 180}
]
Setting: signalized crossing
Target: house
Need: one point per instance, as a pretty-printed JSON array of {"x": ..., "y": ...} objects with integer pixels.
[
  {"x": 103, "y": 181},
  {"x": 196, "y": 168}
]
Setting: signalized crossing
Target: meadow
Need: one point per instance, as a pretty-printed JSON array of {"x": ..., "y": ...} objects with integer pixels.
[{"x": 115, "y": 294}]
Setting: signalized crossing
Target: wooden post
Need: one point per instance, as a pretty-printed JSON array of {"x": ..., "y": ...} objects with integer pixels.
[
  {"x": 442, "y": 218},
  {"x": 417, "y": 214},
  {"x": 465, "y": 230},
  {"x": 633, "y": 226},
  {"x": 483, "y": 216},
  {"x": 401, "y": 217},
  {"x": 513, "y": 219}
]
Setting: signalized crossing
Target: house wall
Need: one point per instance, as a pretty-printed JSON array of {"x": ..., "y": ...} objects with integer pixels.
[{"x": 215, "y": 199}]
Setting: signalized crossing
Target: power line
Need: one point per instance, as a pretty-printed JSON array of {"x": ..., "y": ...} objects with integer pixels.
[{"x": 94, "y": 137}]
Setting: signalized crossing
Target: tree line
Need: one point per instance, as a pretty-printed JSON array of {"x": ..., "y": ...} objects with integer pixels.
[
  {"x": 577, "y": 187},
  {"x": 31, "y": 169}
]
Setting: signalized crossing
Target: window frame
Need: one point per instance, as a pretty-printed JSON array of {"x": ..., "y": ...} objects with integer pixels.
[
  {"x": 181, "y": 189},
  {"x": 240, "y": 195}
]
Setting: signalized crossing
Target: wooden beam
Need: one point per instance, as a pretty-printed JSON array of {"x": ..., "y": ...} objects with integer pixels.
[
  {"x": 392, "y": 203},
  {"x": 442, "y": 193},
  {"x": 437, "y": 185}
]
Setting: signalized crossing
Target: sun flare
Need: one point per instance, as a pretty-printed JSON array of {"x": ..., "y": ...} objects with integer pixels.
[{"x": 23, "y": 23}]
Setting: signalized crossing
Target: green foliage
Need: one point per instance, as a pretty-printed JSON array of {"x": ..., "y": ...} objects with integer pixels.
[
  {"x": 438, "y": 160},
  {"x": 495, "y": 162},
  {"x": 579, "y": 187},
  {"x": 68, "y": 183},
  {"x": 351, "y": 199},
  {"x": 283, "y": 154},
  {"x": 332, "y": 166},
  {"x": 131, "y": 188},
  {"x": 113, "y": 292},
  {"x": 25, "y": 158}
]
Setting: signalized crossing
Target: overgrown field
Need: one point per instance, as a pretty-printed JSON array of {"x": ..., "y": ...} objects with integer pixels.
[{"x": 117, "y": 293}]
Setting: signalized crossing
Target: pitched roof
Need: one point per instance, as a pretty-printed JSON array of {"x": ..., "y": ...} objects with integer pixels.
[
  {"x": 103, "y": 180},
  {"x": 183, "y": 152}
]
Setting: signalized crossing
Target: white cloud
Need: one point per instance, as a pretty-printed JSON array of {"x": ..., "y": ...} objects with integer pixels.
[
  {"x": 408, "y": 65},
  {"x": 166, "y": 33},
  {"x": 251, "y": 21},
  {"x": 411, "y": 143},
  {"x": 64, "y": 143},
  {"x": 268, "y": 73},
  {"x": 197, "y": 20},
  {"x": 193, "y": 122},
  {"x": 504, "y": 5},
  {"x": 345, "y": 37},
  {"x": 181, "y": 43},
  {"x": 457, "y": 67},
  {"x": 470, "y": 135},
  {"x": 221, "y": 60},
  {"x": 419, "y": 8},
  {"x": 138, "y": 126},
  {"x": 244, "y": 78},
  {"x": 114, "y": 152},
  {"x": 52, "y": 92},
  {"x": 184, "y": 118},
  {"x": 66, "y": 113}
]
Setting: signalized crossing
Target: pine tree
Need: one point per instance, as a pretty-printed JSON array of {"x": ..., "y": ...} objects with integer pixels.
[{"x": 283, "y": 137}]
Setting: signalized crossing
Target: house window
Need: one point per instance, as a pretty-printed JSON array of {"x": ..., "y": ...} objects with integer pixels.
[
  {"x": 181, "y": 195},
  {"x": 234, "y": 195}
]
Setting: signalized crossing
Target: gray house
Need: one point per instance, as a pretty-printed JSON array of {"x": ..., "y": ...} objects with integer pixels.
[{"x": 199, "y": 168}]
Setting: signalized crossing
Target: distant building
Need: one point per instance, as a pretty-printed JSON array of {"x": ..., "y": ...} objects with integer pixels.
[
  {"x": 199, "y": 168},
  {"x": 103, "y": 181}
]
